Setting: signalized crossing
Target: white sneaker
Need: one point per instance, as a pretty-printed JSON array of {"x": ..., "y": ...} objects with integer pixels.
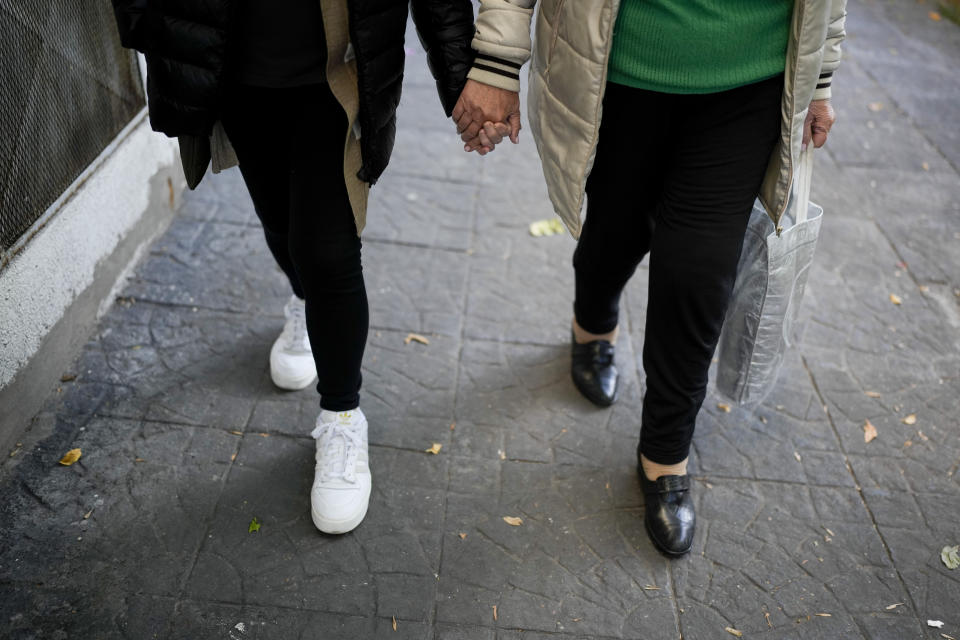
[
  {"x": 291, "y": 358},
  {"x": 341, "y": 484}
]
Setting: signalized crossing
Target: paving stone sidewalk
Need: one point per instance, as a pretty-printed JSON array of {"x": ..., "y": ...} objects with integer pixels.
[{"x": 805, "y": 531}]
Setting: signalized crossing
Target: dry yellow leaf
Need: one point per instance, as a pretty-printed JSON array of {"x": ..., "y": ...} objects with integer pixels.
[
  {"x": 435, "y": 449},
  {"x": 549, "y": 227},
  {"x": 733, "y": 632},
  {"x": 723, "y": 407},
  {"x": 922, "y": 436},
  {"x": 871, "y": 394},
  {"x": 139, "y": 460},
  {"x": 907, "y": 443},
  {"x": 895, "y": 299},
  {"x": 463, "y": 536},
  {"x": 393, "y": 622},
  {"x": 237, "y": 433},
  {"x": 494, "y": 613},
  {"x": 935, "y": 16},
  {"x": 87, "y": 515},
  {"x": 910, "y": 419},
  {"x": 513, "y": 521},
  {"x": 875, "y": 106},
  {"x": 70, "y": 457},
  {"x": 894, "y": 605},
  {"x": 824, "y": 615},
  {"x": 233, "y": 457},
  {"x": 415, "y": 337},
  {"x": 869, "y": 431}
]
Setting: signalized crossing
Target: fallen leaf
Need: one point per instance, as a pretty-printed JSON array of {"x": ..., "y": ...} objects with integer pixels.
[
  {"x": 723, "y": 407},
  {"x": 415, "y": 337},
  {"x": 87, "y": 515},
  {"x": 733, "y": 632},
  {"x": 237, "y": 433},
  {"x": 494, "y": 613},
  {"x": 908, "y": 443},
  {"x": 254, "y": 525},
  {"x": 264, "y": 435},
  {"x": 139, "y": 460},
  {"x": 925, "y": 166},
  {"x": 828, "y": 531},
  {"x": 233, "y": 457},
  {"x": 824, "y": 615},
  {"x": 871, "y": 394},
  {"x": 463, "y": 536},
  {"x": 950, "y": 556},
  {"x": 910, "y": 419},
  {"x": 875, "y": 106},
  {"x": 895, "y": 299},
  {"x": 651, "y": 587},
  {"x": 70, "y": 457},
  {"x": 435, "y": 449},
  {"x": 68, "y": 377},
  {"x": 936, "y": 624},
  {"x": 393, "y": 622},
  {"x": 548, "y": 227},
  {"x": 894, "y": 605},
  {"x": 869, "y": 431},
  {"x": 922, "y": 435},
  {"x": 933, "y": 15},
  {"x": 513, "y": 521}
]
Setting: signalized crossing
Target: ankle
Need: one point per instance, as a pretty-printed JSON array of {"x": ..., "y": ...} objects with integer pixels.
[
  {"x": 582, "y": 336},
  {"x": 653, "y": 470}
]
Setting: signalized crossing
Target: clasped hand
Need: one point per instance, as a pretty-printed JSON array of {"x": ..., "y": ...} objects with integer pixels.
[{"x": 485, "y": 115}]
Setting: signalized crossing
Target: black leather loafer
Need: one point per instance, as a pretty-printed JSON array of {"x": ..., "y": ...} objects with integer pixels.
[
  {"x": 669, "y": 518},
  {"x": 593, "y": 371}
]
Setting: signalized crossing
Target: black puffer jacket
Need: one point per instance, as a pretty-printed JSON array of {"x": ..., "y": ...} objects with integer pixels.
[{"x": 187, "y": 43}]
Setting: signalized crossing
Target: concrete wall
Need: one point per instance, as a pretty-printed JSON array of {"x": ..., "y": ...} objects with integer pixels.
[{"x": 62, "y": 280}]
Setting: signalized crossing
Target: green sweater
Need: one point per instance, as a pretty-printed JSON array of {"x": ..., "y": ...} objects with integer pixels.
[{"x": 698, "y": 46}]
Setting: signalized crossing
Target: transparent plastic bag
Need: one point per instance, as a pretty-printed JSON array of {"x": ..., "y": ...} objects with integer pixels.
[{"x": 771, "y": 278}]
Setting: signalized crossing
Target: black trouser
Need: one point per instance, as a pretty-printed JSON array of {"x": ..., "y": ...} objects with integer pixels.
[
  {"x": 675, "y": 176},
  {"x": 290, "y": 145}
]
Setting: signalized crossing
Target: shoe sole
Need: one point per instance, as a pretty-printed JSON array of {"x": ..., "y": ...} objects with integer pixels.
[
  {"x": 292, "y": 384},
  {"x": 663, "y": 549},
  {"x": 337, "y": 527}
]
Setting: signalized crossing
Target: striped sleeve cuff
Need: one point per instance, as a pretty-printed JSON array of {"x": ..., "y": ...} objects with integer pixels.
[
  {"x": 496, "y": 72},
  {"x": 822, "y": 92}
]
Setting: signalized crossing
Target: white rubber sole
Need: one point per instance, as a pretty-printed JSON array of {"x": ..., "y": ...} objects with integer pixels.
[
  {"x": 335, "y": 527},
  {"x": 291, "y": 383}
]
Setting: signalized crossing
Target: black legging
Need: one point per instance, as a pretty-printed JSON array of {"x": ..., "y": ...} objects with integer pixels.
[
  {"x": 675, "y": 176},
  {"x": 290, "y": 146}
]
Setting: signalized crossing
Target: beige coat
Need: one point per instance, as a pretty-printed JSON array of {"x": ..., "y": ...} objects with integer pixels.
[{"x": 568, "y": 78}]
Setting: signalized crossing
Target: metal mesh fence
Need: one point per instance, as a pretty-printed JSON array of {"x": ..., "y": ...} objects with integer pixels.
[{"x": 66, "y": 89}]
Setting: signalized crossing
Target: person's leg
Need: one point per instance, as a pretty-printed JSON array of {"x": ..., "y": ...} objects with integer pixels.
[
  {"x": 722, "y": 146},
  {"x": 622, "y": 189},
  {"x": 621, "y": 192},
  {"x": 253, "y": 120},
  {"x": 325, "y": 248}
]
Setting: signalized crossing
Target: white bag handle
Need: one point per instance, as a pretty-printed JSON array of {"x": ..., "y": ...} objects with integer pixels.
[{"x": 802, "y": 185}]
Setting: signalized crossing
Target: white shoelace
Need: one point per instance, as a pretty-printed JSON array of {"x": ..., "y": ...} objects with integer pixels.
[
  {"x": 297, "y": 336},
  {"x": 339, "y": 446}
]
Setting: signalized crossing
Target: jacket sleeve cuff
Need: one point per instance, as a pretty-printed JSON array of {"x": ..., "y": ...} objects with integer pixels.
[
  {"x": 822, "y": 91},
  {"x": 496, "y": 72}
]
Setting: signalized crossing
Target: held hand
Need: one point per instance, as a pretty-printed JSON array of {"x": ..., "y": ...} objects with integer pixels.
[
  {"x": 816, "y": 126},
  {"x": 479, "y": 104}
]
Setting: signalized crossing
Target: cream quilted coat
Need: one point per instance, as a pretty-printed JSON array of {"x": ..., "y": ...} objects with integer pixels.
[{"x": 568, "y": 77}]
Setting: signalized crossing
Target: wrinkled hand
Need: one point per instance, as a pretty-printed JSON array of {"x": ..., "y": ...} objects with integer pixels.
[
  {"x": 485, "y": 115},
  {"x": 816, "y": 126}
]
